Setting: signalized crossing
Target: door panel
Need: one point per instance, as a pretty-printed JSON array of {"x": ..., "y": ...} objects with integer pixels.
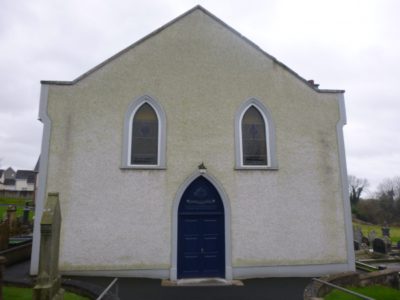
[{"x": 201, "y": 232}]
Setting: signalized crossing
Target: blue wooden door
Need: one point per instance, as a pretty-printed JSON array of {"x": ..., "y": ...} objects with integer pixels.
[{"x": 201, "y": 232}]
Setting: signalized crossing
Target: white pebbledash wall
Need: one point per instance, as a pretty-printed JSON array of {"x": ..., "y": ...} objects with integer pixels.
[{"x": 118, "y": 221}]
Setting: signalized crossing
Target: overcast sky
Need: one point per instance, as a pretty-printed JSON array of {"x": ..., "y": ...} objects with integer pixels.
[{"x": 351, "y": 45}]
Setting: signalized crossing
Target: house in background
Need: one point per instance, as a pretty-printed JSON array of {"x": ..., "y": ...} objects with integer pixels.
[
  {"x": 9, "y": 173},
  {"x": 21, "y": 183},
  {"x": 25, "y": 181},
  {"x": 7, "y": 181},
  {"x": 193, "y": 153}
]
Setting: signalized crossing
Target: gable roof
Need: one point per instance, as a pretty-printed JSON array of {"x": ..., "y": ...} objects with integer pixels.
[
  {"x": 9, "y": 173},
  {"x": 26, "y": 174},
  {"x": 199, "y": 8}
]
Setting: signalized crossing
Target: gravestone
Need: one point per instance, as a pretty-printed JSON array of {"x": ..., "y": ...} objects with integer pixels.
[
  {"x": 385, "y": 231},
  {"x": 364, "y": 247},
  {"x": 371, "y": 236},
  {"x": 4, "y": 235},
  {"x": 365, "y": 240},
  {"x": 25, "y": 216},
  {"x": 379, "y": 245},
  {"x": 358, "y": 234},
  {"x": 388, "y": 243},
  {"x": 356, "y": 245},
  {"x": 12, "y": 217}
]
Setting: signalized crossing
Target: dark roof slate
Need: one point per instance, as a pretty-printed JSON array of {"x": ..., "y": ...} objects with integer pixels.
[{"x": 26, "y": 174}]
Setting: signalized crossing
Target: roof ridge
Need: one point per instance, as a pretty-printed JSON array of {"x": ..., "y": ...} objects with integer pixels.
[{"x": 158, "y": 30}]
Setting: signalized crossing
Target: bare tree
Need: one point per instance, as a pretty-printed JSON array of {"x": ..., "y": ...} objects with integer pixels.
[
  {"x": 356, "y": 187},
  {"x": 389, "y": 188}
]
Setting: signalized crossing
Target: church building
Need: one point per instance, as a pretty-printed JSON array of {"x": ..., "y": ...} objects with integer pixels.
[{"x": 195, "y": 154}]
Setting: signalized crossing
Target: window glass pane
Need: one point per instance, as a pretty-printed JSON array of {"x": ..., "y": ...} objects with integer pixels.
[
  {"x": 254, "y": 138},
  {"x": 144, "y": 136}
]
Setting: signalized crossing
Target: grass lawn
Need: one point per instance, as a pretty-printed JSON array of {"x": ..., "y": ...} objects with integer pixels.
[
  {"x": 17, "y": 201},
  {"x": 394, "y": 231},
  {"x": 10, "y": 292},
  {"x": 376, "y": 291},
  {"x": 5, "y": 201}
]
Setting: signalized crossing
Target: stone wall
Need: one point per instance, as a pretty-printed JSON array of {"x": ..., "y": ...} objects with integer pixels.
[{"x": 317, "y": 290}]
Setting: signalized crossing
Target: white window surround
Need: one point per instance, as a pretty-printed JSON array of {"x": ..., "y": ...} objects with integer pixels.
[
  {"x": 127, "y": 134},
  {"x": 272, "y": 163}
]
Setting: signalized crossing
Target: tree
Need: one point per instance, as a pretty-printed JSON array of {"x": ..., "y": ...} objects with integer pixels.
[
  {"x": 384, "y": 208},
  {"x": 356, "y": 187},
  {"x": 370, "y": 210},
  {"x": 389, "y": 188},
  {"x": 389, "y": 195}
]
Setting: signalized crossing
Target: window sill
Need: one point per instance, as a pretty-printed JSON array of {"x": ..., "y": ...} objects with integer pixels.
[
  {"x": 143, "y": 168},
  {"x": 255, "y": 168}
]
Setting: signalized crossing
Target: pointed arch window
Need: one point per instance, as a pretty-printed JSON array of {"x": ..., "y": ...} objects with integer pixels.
[
  {"x": 254, "y": 140},
  {"x": 255, "y": 137},
  {"x": 144, "y": 148},
  {"x": 144, "y": 135}
]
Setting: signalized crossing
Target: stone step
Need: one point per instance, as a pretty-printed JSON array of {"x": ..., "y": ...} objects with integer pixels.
[{"x": 201, "y": 282}]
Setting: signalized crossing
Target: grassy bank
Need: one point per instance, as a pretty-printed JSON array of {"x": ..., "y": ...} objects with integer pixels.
[
  {"x": 394, "y": 231},
  {"x": 16, "y": 201},
  {"x": 376, "y": 292},
  {"x": 19, "y": 202},
  {"x": 10, "y": 292}
]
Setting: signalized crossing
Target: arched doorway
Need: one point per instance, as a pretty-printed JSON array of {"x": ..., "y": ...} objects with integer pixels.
[{"x": 201, "y": 231}]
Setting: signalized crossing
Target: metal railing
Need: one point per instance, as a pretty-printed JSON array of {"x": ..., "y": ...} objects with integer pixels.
[
  {"x": 343, "y": 289},
  {"x": 366, "y": 267},
  {"x": 108, "y": 288}
]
